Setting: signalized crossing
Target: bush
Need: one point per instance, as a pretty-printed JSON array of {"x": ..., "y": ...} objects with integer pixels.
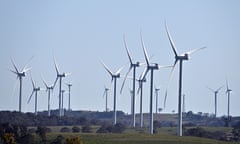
[
  {"x": 59, "y": 140},
  {"x": 65, "y": 129},
  {"x": 74, "y": 140},
  {"x": 75, "y": 129},
  {"x": 118, "y": 128},
  {"x": 86, "y": 129}
]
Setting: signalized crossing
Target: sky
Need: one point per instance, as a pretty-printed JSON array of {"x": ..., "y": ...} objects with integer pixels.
[{"x": 80, "y": 34}]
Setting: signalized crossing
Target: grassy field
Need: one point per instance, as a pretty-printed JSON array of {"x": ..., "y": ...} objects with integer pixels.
[
  {"x": 165, "y": 135},
  {"x": 137, "y": 139}
]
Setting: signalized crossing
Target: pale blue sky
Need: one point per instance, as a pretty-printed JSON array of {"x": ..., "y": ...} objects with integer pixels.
[{"x": 80, "y": 33}]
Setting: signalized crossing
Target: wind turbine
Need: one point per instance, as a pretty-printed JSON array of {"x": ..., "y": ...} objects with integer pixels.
[
  {"x": 35, "y": 90},
  {"x": 114, "y": 76},
  {"x": 150, "y": 67},
  {"x": 228, "y": 92},
  {"x": 105, "y": 93},
  {"x": 156, "y": 93},
  {"x": 62, "y": 108},
  {"x": 49, "y": 89},
  {"x": 69, "y": 95},
  {"x": 184, "y": 106},
  {"x": 140, "y": 90},
  {"x": 132, "y": 66},
  {"x": 180, "y": 58},
  {"x": 60, "y": 76},
  {"x": 215, "y": 97},
  {"x": 20, "y": 75}
]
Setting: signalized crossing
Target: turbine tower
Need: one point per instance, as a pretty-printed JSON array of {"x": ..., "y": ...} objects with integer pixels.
[
  {"x": 114, "y": 76},
  {"x": 20, "y": 75},
  {"x": 60, "y": 76},
  {"x": 132, "y": 66},
  {"x": 140, "y": 89},
  {"x": 150, "y": 67},
  {"x": 215, "y": 97},
  {"x": 62, "y": 107},
  {"x": 180, "y": 58},
  {"x": 35, "y": 90},
  {"x": 105, "y": 93},
  {"x": 228, "y": 92},
  {"x": 156, "y": 93},
  {"x": 49, "y": 89},
  {"x": 69, "y": 95},
  {"x": 184, "y": 106}
]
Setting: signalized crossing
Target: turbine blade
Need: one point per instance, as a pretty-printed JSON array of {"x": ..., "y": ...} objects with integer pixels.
[
  {"x": 55, "y": 64},
  {"x": 30, "y": 97},
  {"x": 125, "y": 44},
  {"x": 67, "y": 74},
  {"x": 104, "y": 93},
  {"x": 33, "y": 83},
  {"x": 169, "y": 81},
  {"x": 125, "y": 79},
  {"x": 107, "y": 69},
  {"x": 171, "y": 41},
  {"x": 143, "y": 75},
  {"x": 194, "y": 50},
  {"x": 119, "y": 70},
  {"x": 220, "y": 88},
  {"x": 14, "y": 66},
  {"x": 25, "y": 69},
  {"x": 45, "y": 83},
  {"x": 210, "y": 89},
  {"x": 13, "y": 72},
  {"x": 159, "y": 66},
  {"x": 55, "y": 82},
  {"x": 145, "y": 52}
]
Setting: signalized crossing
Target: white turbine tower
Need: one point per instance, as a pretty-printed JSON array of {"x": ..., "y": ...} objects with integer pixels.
[
  {"x": 150, "y": 67},
  {"x": 62, "y": 106},
  {"x": 35, "y": 90},
  {"x": 215, "y": 97},
  {"x": 132, "y": 66},
  {"x": 105, "y": 94},
  {"x": 180, "y": 58},
  {"x": 69, "y": 85},
  {"x": 20, "y": 75},
  {"x": 140, "y": 89},
  {"x": 49, "y": 89},
  {"x": 60, "y": 76},
  {"x": 228, "y": 92},
  {"x": 156, "y": 93},
  {"x": 114, "y": 76}
]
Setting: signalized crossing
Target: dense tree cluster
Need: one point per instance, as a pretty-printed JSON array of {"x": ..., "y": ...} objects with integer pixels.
[{"x": 108, "y": 128}]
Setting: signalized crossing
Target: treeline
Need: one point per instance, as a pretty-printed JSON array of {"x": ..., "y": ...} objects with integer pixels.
[{"x": 70, "y": 118}]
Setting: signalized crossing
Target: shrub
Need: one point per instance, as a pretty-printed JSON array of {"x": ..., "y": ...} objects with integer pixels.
[
  {"x": 59, "y": 140},
  {"x": 86, "y": 129},
  {"x": 75, "y": 129},
  {"x": 74, "y": 140},
  {"x": 65, "y": 129}
]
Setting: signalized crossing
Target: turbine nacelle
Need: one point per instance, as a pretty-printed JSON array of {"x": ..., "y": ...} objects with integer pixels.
[{"x": 182, "y": 57}]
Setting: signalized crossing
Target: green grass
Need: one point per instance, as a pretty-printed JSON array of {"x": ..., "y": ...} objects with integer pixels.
[{"x": 166, "y": 135}]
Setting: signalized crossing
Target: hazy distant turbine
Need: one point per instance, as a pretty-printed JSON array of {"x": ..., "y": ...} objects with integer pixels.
[
  {"x": 35, "y": 90},
  {"x": 228, "y": 91},
  {"x": 69, "y": 95},
  {"x": 105, "y": 93},
  {"x": 49, "y": 89},
  {"x": 215, "y": 97},
  {"x": 60, "y": 77}
]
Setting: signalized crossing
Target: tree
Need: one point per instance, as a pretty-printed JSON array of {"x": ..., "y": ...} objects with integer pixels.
[
  {"x": 75, "y": 129},
  {"x": 65, "y": 129},
  {"x": 86, "y": 129},
  {"x": 41, "y": 131}
]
